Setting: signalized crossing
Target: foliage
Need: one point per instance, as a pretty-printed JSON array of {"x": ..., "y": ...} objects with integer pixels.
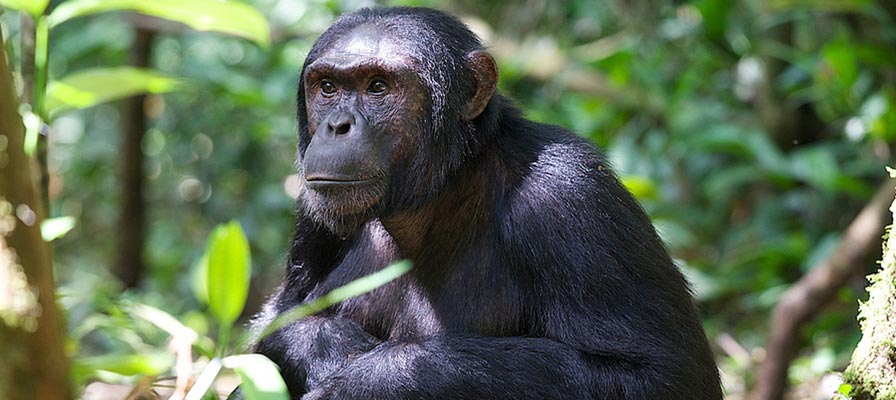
[{"x": 229, "y": 17}]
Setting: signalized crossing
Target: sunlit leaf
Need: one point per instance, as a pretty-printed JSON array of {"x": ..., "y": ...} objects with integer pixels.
[
  {"x": 261, "y": 377},
  {"x": 32, "y": 7},
  {"x": 128, "y": 364},
  {"x": 230, "y": 17},
  {"x": 55, "y": 228},
  {"x": 229, "y": 266},
  {"x": 98, "y": 85}
]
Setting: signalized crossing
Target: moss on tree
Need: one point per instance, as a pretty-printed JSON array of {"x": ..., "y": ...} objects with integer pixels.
[{"x": 872, "y": 370}]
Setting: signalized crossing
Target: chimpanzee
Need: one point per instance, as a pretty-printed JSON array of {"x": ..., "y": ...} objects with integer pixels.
[{"x": 536, "y": 274}]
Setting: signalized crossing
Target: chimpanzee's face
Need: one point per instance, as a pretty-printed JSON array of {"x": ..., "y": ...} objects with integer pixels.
[{"x": 365, "y": 105}]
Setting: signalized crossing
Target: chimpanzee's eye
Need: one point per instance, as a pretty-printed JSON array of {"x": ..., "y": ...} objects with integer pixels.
[
  {"x": 377, "y": 86},
  {"x": 327, "y": 88}
]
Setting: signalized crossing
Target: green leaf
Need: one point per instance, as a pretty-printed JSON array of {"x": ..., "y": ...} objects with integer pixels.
[
  {"x": 818, "y": 167},
  {"x": 97, "y": 85},
  {"x": 228, "y": 17},
  {"x": 229, "y": 266},
  {"x": 354, "y": 288},
  {"x": 261, "y": 377},
  {"x": 840, "y": 57},
  {"x": 199, "y": 279},
  {"x": 129, "y": 364},
  {"x": 844, "y": 389},
  {"x": 33, "y": 7},
  {"x": 715, "y": 16},
  {"x": 55, "y": 228},
  {"x": 640, "y": 186}
]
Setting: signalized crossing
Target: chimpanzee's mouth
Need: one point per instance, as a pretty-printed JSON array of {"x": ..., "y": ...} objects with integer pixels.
[{"x": 329, "y": 181}]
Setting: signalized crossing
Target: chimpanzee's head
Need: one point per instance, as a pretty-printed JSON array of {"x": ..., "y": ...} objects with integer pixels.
[{"x": 391, "y": 102}]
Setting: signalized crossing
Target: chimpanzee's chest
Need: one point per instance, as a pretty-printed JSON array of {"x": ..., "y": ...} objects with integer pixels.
[
  {"x": 405, "y": 309},
  {"x": 465, "y": 293}
]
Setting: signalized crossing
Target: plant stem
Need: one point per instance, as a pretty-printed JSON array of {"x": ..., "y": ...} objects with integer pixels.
[
  {"x": 41, "y": 67},
  {"x": 39, "y": 106},
  {"x": 223, "y": 338}
]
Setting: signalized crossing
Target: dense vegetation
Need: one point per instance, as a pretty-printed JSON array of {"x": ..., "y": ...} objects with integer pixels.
[{"x": 753, "y": 132}]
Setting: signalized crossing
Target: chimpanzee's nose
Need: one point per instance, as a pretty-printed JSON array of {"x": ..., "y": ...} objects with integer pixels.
[{"x": 341, "y": 123}]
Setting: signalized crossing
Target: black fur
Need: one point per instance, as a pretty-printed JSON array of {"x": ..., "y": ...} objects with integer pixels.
[{"x": 536, "y": 274}]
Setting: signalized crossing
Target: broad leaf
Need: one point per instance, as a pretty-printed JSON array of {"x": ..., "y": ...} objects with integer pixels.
[
  {"x": 261, "y": 377},
  {"x": 32, "y": 7},
  {"x": 229, "y": 266},
  {"x": 98, "y": 85},
  {"x": 228, "y": 17}
]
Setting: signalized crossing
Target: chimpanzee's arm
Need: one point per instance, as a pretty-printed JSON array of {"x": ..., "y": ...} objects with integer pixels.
[
  {"x": 495, "y": 368},
  {"x": 312, "y": 348}
]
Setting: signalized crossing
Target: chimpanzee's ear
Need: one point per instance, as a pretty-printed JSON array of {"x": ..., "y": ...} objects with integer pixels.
[{"x": 486, "y": 72}]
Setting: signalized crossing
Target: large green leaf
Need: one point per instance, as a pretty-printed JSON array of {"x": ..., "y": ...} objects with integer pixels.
[
  {"x": 261, "y": 378},
  {"x": 228, "y": 17},
  {"x": 32, "y": 7},
  {"x": 97, "y": 85},
  {"x": 229, "y": 265}
]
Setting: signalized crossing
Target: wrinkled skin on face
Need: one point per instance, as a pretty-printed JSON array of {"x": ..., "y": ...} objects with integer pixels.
[
  {"x": 364, "y": 104},
  {"x": 368, "y": 111}
]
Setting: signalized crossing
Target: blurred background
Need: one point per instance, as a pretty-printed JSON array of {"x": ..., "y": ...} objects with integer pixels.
[{"x": 753, "y": 132}]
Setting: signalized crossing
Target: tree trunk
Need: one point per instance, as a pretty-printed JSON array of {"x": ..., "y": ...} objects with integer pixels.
[
  {"x": 789, "y": 124},
  {"x": 872, "y": 371},
  {"x": 34, "y": 365},
  {"x": 132, "y": 220},
  {"x": 802, "y": 301}
]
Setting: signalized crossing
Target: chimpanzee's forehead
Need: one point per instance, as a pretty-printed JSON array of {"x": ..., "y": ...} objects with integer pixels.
[{"x": 371, "y": 42}]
